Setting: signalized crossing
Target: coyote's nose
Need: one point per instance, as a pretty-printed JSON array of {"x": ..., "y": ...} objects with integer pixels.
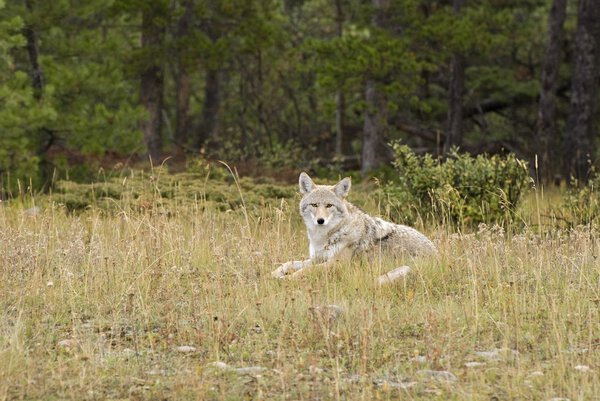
[{"x": 320, "y": 220}]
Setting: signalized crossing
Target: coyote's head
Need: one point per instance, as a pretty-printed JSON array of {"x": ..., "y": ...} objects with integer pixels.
[{"x": 323, "y": 205}]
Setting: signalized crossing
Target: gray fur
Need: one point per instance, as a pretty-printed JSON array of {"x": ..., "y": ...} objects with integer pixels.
[{"x": 334, "y": 225}]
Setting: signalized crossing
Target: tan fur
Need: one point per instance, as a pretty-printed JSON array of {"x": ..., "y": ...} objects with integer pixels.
[{"x": 335, "y": 226}]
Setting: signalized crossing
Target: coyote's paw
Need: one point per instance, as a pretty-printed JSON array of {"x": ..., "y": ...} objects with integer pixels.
[
  {"x": 393, "y": 275},
  {"x": 279, "y": 272},
  {"x": 287, "y": 268}
]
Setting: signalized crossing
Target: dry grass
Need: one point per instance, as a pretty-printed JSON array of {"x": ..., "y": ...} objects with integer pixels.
[{"x": 126, "y": 289}]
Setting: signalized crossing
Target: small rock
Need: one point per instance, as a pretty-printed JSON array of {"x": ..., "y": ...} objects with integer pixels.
[
  {"x": 442, "y": 375},
  {"x": 329, "y": 313},
  {"x": 419, "y": 359},
  {"x": 393, "y": 275},
  {"x": 315, "y": 370},
  {"x": 497, "y": 353},
  {"x": 491, "y": 355},
  {"x": 250, "y": 370},
  {"x": 67, "y": 343},
  {"x": 559, "y": 399},
  {"x": 128, "y": 352},
  {"x": 186, "y": 349},
  {"x": 583, "y": 368},
  {"x": 475, "y": 364},
  {"x": 218, "y": 365},
  {"x": 536, "y": 373},
  {"x": 386, "y": 384},
  {"x": 156, "y": 372}
]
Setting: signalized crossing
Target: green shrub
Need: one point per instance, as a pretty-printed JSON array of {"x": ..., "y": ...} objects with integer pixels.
[
  {"x": 141, "y": 190},
  {"x": 462, "y": 190},
  {"x": 581, "y": 203}
]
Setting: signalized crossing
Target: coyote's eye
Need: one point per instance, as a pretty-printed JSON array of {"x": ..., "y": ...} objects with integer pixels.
[
  {"x": 313, "y": 204},
  {"x": 328, "y": 205}
]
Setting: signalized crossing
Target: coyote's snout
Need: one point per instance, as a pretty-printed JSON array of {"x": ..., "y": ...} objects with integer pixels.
[
  {"x": 335, "y": 225},
  {"x": 320, "y": 213}
]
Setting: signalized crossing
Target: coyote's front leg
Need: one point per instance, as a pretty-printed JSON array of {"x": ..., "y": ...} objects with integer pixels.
[
  {"x": 290, "y": 267},
  {"x": 298, "y": 268},
  {"x": 308, "y": 267}
]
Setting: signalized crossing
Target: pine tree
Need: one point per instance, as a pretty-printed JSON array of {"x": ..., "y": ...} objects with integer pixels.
[
  {"x": 20, "y": 113},
  {"x": 546, "y": 129},
  {"x": 580, "y": 130}
]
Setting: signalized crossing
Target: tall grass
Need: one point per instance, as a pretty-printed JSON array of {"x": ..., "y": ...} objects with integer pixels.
[{"x": 94, "y": 305}]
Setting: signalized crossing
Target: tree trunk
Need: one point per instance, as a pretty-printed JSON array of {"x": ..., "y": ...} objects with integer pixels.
[
  {"x": 375, "y": 126},
  {"x": 183, "y": 82},
  {"x": 340, "y": 106},
  {"x": 37, "y": 76},
  {"x": 455, "y": 95},
  {"x": 210, "y": 112},
  {"x": 339, "y": 94},
  {"x": 580, "y": 131},
  {"x": 212, "y": 89},
  {"x": 152, "y": 82},
  {"x": 546, "y": 132},
  {"x": 46, "y": 137},
  {"x": 374, "y": 150}
]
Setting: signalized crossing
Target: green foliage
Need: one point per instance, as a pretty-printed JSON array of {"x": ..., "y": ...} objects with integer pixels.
[
  {"x": 86, "y": 103},
  {"x": 86, "y": 78},
  {"x": 581, "y": 203},
  {"x": 283, "y": 66},
  {"x": 19, "y": 112},
  {"x": 463, "y": 190},
  {"x": 205, "y": 186}
]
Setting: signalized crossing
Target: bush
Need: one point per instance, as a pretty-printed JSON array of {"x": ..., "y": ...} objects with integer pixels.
[
  {"x": 158, "y": 189},
  {"x": 463, "y": 190},
  {"x": 581, "y": 203}
]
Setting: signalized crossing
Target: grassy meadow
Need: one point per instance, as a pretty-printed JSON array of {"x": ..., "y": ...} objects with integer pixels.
[{"x": 161, "y": 290}]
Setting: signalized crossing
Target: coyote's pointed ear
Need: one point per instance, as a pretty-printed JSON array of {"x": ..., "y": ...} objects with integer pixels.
[
  {"x": 306, "y": 184},
  {"x": 342, "y": 188}
]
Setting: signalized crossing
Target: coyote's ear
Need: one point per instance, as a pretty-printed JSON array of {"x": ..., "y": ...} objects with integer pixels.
[
  {"x": 342, "y": 188},
  {"x": 306, "y": 184}
]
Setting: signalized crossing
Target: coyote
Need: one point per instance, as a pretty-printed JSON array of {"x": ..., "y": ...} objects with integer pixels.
[{"x": 335, "y": 226}]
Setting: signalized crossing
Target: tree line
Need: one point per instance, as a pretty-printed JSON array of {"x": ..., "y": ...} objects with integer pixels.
[{"x": 288, "y": 81}]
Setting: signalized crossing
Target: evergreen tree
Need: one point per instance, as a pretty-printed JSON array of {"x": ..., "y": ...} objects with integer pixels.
[
  {"x": 546, "y": 124},
  {"x": 456, "y": 91},
  {"x": 21, "y": 114},
  {"x": 81, "y": 97},
  {"x": 153, "y": 32},
  {"x": 581, "y": 134}
]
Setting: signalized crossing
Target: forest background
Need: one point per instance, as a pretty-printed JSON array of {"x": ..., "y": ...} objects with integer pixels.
[{"x": 294, "y": 83}]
